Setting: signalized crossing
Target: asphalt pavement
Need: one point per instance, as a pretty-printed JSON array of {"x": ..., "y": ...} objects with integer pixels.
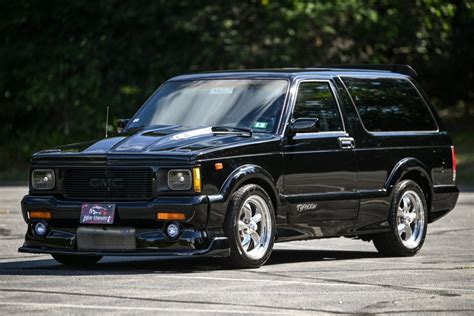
[{"x": 329, "y": 276}]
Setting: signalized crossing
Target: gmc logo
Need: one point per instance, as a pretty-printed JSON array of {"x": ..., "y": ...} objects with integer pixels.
[{"x": 106, "y": 183}]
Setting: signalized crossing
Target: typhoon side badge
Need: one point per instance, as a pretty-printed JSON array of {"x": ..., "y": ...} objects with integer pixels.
[{"x": 300, "y": 208}]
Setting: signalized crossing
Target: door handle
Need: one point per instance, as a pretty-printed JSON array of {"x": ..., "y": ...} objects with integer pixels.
[{"x": 346, "y": 142}]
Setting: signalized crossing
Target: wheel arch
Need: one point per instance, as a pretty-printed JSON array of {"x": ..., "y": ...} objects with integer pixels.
[
  {"x": 248, "y": 174},
  {"x": 415, "y": 170}
]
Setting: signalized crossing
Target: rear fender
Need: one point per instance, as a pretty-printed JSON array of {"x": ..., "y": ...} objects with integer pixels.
[{"x": 402, "y": 168}]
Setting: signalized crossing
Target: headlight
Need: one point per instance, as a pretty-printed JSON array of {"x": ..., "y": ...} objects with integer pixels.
[
  {"x": 179, "y": 179},
  {"x": 42, "y": 179}
]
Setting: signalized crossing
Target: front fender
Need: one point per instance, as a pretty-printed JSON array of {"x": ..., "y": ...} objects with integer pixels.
[
  {"x": 241, "y": 175},
  {"x": 244, "y": 173}
]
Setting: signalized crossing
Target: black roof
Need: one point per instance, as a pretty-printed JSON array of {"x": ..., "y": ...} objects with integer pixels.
[
  {"x": 327, "y": 70},
  {"x": 397, "y": 68}
]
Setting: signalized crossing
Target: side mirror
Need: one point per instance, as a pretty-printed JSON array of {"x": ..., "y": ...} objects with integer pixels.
[
  {"x": 304, "y": 125},
  {"x": 121, "y": 123}
]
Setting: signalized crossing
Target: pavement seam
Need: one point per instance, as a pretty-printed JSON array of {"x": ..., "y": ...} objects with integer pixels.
[
  {"x": 288, "y": 309},
  {"x": 394, "y": 287}
]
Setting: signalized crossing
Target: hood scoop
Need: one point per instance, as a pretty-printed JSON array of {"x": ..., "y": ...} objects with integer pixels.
[
  {"x": 174, "y": 141},
  {"x": 160, "y": 139}
]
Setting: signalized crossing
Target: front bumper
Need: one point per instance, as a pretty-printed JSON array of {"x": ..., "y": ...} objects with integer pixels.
[
  {"x": 135, "y": 231},
  {"x": 218, "y": 247},
  {"x": 141, "y": 213}
]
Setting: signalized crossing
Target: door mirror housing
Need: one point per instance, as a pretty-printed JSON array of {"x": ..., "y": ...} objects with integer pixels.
[
  {"x": 304, "y": 125},
  {"x": 121, "y": 123}
]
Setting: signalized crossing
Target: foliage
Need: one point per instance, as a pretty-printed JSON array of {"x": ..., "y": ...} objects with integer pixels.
[{"x": 63, "y": 62}]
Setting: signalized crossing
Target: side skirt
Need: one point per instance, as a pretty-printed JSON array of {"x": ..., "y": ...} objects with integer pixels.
[{"x": 326, "y": 229}]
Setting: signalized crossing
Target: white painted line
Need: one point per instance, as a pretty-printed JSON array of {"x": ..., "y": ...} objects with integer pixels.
[{"x": 130, "y": 308}]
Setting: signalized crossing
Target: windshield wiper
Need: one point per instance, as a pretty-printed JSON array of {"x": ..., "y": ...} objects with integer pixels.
[
  {"x": 231, "y": 129},
  {"x": 147, "y": 127},
  {"x": 134, "y": 129}
]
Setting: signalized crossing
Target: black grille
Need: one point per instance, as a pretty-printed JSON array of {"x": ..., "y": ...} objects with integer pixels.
[{"x": 108, "y": 183}]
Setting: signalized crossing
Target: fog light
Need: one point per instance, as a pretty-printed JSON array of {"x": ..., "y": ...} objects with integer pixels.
[
  {"x": 41, "y": 229},
  {"x": 172, "y": 230}
]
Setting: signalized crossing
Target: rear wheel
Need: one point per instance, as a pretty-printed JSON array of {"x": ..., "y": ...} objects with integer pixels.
[
  {"x": 408, "y": 222},
  {"x": 250, "y": 227},
  {"x": 76, "y": 260}
]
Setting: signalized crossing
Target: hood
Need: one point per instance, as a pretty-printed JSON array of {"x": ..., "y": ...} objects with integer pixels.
[{"x": 171, "y": 140}]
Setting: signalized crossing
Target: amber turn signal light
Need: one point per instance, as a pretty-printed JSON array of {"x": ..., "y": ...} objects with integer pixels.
[
  {"x": 39, "y": 215},
  {"x": 197, "y": 179},
  {"x": 218, "y": 166},
  {"x": 170, "y": 216}
]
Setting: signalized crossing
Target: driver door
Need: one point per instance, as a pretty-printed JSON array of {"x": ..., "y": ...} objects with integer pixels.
[{"x": 320, "y": 166}]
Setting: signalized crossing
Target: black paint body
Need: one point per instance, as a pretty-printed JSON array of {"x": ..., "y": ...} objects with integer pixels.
[{"x": 349, "y": 190}]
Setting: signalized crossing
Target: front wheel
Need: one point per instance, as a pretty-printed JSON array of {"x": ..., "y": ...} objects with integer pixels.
[
  {"x": 76, "y": 260},
  {"x": 250, "y": 226},
  {"x": 408, "y": 221}
]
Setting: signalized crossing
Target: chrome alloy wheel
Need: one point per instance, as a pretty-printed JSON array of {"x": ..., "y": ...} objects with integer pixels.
[
  {"x": 255, "y": 227},
  {"x": 410, "y": 219}
]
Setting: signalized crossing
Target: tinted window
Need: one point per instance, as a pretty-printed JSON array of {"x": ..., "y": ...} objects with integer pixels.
[
  {"x": 387, "y": 104},
  {"x": 255, "y": 104},
  {"x": 315, "y": 100}
]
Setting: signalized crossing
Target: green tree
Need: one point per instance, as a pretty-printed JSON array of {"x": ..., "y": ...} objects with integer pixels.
[{"x": 63, "y": 62}]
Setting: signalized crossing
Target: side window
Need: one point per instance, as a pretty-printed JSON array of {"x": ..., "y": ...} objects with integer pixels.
[
  {"x": 386, "y": 104},
  {"x": 315, "y": 100}
]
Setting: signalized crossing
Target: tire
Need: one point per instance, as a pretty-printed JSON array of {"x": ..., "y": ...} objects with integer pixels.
[
  {"x": 250, "y": 227},
  {"x": 76, "y": 260},
  {"x": 408, "y": 220}
]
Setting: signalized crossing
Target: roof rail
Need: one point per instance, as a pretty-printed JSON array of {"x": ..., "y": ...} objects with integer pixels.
[{"x": 398, "y": 68}]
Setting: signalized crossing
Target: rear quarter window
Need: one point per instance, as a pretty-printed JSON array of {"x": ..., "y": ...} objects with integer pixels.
[{"x": 389, "y": 104}]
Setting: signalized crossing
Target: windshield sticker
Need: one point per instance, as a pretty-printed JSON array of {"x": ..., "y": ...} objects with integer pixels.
[
  {"x": 221, "y": 91},
  {"x": 135, "y": 120},
  {"x": 260, "y": 125}
]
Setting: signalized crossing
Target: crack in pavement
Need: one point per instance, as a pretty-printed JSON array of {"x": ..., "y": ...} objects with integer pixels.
[
  {"x": 289, "y": 309},
  {"x": 381, "y": 270},
  {"x": 5, "y": 231},
  {"x": 446, "y": 231},
  {"x": 389, "y": 286},
  {"x": 417, "y": 311},
  {"x": 231, "y": 304},
  {"x": 385, "y": 304}
]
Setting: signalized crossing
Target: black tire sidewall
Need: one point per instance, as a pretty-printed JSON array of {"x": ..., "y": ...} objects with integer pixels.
[{"x": 238, "y": 255}]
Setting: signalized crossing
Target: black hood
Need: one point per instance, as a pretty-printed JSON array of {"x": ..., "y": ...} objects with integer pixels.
[{"x": 160, "y": 140}]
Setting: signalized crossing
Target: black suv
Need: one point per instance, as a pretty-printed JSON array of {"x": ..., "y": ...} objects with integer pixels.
[{"x": 226, "y": 163}]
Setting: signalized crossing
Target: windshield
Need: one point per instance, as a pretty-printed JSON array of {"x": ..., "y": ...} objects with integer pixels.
[{"x": 247, "y": 104}]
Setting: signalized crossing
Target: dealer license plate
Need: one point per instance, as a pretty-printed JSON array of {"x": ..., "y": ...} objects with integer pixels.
[{"x": 97, "y": 213}]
